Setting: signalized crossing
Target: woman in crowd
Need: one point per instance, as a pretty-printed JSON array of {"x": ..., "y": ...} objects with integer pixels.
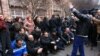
[{"x": 29, "y": 25}]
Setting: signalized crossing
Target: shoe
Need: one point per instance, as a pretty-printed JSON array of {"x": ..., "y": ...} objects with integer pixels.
[
  {"x": 78, "y": 55},
  {"x": 67, "y": 55}
]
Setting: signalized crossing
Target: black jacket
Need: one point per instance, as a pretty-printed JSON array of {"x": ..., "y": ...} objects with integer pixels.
[
  {"x": 6, "y": 42},
  {"x": 45, "y": 41},
  {"x": 55, "y": 38},
  {"x": 53, "y": 23},
  {"x": 32, "y": 47},
  {"x": 83, "y": 24},
  {"x": 44, "y": 25},
  {"x": 36, "y": 34},
  {"x": 58, "y": 22}
]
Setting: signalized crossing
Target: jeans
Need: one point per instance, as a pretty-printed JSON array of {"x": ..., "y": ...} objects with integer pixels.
[
  {"x": 78, "y": 45},
  {"x": 59, "y": 31}
]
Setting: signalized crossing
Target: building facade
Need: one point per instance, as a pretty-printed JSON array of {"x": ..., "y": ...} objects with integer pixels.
[
  {"x": 13, "y": 9},
  {"x": 4, "y": 8}
]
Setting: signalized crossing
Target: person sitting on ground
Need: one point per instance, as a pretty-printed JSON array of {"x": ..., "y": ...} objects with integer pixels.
[
  {"x": 58, "y": 42},
  {"x": 19, "y": 49},
  {"x": 33, "y": 46},
  {"x": 46, "y": 42},
  {"x": 68, "y": 36}
]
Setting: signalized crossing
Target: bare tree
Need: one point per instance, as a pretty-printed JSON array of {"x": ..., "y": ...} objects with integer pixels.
[
  {"x": 63, "y": 4},
  {"x": 33, "y": 5}
]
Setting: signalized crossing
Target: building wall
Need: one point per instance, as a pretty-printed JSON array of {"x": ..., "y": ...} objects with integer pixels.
[
  {"x": 13, "y": 8},
  {"x": 16, "y": 9},
  {"x": 18, "y": 12},
  {"x": 5, "y": 8},
  {"x": 54, "y": 9}
]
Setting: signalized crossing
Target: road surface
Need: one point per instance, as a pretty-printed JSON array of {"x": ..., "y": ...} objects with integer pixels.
[{"x": 88, "y": 51}]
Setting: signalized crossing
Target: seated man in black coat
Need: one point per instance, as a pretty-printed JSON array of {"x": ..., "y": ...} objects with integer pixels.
[
  {"x": 58, "y": 42},
  {"x": 67, "y": 36},
  {"x": 36, "y": 33},
  {"x": 33, "y": 47},
  {"x": 46, "y": 42}
]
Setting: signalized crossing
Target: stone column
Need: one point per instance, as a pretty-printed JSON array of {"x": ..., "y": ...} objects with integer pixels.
[
  {"x": 0, "y": 8},
  {"x": 5, "y": 8},
  {"x": 50, "y": 9}
]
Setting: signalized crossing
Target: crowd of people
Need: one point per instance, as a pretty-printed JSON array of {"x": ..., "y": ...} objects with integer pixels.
[{"x": 40, "y": 36}]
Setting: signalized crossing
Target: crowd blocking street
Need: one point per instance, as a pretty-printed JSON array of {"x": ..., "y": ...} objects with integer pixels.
[{"x": 55, "y": 36}]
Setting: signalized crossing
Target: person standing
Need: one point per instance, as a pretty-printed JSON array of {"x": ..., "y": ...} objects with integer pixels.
[
  {"x": 82, "y": 30},
  {"x": 29, "y": 25},
  {"x": 96, "y": 19},
  {"x": 5, "y": 42},
  {"x": 53, "y": 23},
  {"x": 44, "y": 24},
  {"x": 92, "y": 37}
]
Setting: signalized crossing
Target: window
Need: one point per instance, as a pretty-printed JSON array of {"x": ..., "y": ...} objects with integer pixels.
[
  {"x": 15, "y": 2},
  {"x": 40, "y": 12},
  {"x": 18, "y": 13}
]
